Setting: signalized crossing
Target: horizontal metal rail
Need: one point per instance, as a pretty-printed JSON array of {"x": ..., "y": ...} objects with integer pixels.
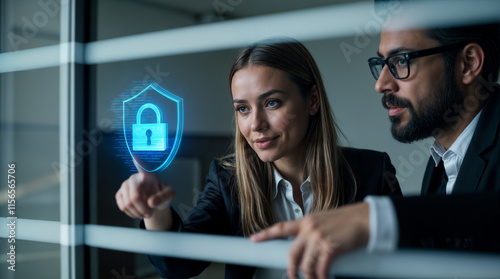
[
  {"x": 334, "y": 21},
  {"x": 404, "y": 263}
]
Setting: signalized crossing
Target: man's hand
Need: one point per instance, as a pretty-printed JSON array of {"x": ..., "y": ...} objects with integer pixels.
[{"x": 321, "y": 237}]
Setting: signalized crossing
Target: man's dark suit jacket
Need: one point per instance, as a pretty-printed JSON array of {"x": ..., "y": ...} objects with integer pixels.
[
  {"x": 469, "y": 218},
  {"x": 217, "y": 210}
]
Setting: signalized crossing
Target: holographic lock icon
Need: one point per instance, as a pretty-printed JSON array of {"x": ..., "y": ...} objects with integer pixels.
[{"x": 149, "y": 136}]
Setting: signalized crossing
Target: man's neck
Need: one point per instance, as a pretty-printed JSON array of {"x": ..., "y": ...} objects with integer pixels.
[{"x": 465, "y": 115}]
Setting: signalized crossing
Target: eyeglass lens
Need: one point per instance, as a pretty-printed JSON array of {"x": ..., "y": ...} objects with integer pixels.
[{"x": 398, "y": 65}]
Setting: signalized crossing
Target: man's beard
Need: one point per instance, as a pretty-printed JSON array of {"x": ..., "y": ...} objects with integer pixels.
[{"x": 434, "y": 114}]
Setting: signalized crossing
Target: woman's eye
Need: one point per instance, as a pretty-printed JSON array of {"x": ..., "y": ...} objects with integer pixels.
[
  {"x": 241, "y": 109},
  {"x": 273, "y": 103}
]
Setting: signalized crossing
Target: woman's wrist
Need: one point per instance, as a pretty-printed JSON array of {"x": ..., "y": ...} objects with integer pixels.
[{"x": 161, "y": 220}]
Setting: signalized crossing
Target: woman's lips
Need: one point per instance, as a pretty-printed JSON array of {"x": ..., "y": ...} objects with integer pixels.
[{"x": 263, "y": 143}]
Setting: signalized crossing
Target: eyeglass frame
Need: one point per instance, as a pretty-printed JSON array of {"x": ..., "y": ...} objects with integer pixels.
[{"x": 409, "y": 56}]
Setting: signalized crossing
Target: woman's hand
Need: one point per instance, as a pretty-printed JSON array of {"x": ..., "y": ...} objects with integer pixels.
[
  {"x": 145, "y": 196},
  {"x": 321, "y": 237}
]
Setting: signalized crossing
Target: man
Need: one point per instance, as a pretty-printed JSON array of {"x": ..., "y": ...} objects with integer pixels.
[{"x": 434, "y": 83}]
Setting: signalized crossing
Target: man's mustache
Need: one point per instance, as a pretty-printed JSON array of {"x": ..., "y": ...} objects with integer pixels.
[{"x": 390, "y": 99}]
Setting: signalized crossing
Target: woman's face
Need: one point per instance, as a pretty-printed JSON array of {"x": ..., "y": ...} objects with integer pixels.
[{"x": 271, "y": 113}]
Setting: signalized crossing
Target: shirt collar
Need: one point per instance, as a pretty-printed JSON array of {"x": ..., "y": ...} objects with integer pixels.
[
  {"x": 459, "y": 147},
  {"x": 278, "y": 178}
]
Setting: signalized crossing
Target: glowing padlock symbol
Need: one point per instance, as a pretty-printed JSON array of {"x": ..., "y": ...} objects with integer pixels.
[{"x": 151, "y": 136}]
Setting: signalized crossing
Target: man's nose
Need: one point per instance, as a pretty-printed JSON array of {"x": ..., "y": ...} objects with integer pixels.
[{"x": 386, "y": 82}]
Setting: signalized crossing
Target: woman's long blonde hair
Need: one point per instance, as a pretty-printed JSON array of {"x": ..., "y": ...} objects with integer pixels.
[{"x": 323, "y": 158}]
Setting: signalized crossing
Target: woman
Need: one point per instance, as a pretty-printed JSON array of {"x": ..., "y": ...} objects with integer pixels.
[{"x": 286, "y": 162}]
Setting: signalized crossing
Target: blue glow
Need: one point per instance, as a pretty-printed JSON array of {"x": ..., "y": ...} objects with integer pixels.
[
  {"x": 149, "y": 137},
  {"x": 148, "y": 143}
]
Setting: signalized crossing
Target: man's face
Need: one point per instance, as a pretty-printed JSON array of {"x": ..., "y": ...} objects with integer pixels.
[{"x": 422, "y": 104}]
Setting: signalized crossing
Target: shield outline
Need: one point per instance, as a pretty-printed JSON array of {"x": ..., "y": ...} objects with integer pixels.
[{"x": 179, "y": 129}]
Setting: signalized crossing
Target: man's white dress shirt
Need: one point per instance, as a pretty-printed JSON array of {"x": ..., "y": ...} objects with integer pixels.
[{"x": 384, "y": 233}]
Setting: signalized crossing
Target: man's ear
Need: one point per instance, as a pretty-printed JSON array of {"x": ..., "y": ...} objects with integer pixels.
[
  {"x": 314, "y": 101},
  {"x": 472, "y": 62}
]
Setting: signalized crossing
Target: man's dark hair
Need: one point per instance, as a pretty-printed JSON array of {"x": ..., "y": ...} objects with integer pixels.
[{"x": 486, "y": 35}]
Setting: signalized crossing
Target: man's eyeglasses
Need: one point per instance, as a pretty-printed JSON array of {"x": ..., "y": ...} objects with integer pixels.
[{"x": 399, "y": 64}]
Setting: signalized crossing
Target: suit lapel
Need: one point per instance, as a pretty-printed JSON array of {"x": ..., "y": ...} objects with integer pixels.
[
  {"x": 470, "y": 173},
  {"x": 484, "y": 136}
]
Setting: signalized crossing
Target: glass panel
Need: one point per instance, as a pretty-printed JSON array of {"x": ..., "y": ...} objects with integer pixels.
[
  {"x": 29, "y": 133},
  {"x": 29, "y": 24},
  {"x": 33, "y": 260},
  {"x": 30, "y": 139},
  {"x": 200, "y": 79},
  {"x": 116, "y": 264},
  {"x": 135, "y": 17},
  {"x": 207, "y": 134},
  {"x": 208, "y": 123}
]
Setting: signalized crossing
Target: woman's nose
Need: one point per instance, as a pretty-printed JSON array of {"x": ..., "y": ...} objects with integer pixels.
[{"x": 259, "y": 121}]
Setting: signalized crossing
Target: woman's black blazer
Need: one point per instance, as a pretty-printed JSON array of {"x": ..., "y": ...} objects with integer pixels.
[{"x": 217, "y": 210}]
